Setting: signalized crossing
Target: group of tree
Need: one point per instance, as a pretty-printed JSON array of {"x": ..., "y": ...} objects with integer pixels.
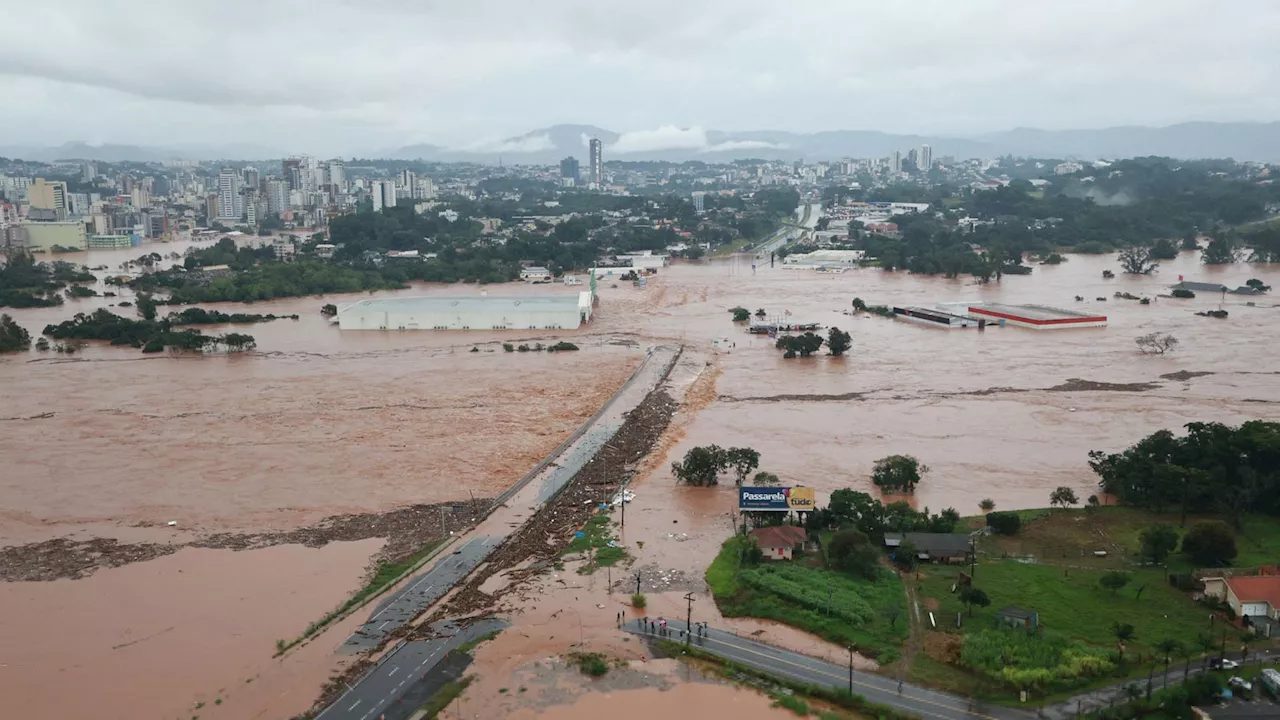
[
  {"x": 148, "y": 334},
  {"x": 201, "y": 316},
  {"x": 269, "y": 280},
  {"x": 1214, "y": 467},
  {"x": 13, "y": 337},
  {"x": 898, "y": 473},
  {"x": 1142, "y": 202},
  {"x": 858, "y": 510},
  {"x": 25, "y": 283},
  {"x": 803, "y": 345},
  {"x": 703, "y": 465}
]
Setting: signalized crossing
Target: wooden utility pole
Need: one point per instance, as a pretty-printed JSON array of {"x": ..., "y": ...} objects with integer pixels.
[{"x": 688, "y": 618}]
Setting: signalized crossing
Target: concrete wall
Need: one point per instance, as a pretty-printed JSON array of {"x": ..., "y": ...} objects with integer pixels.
[{"x": 371, "y": 318}]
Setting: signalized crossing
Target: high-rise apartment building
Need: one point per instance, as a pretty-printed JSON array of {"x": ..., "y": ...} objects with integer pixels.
[
  {"x": 45, "y": 195},
  {"x": 895, "y": 162},
  {"x": 336, "y": 174},
  {"x": 597, "y": 161},
  {"x": 699, "y": 202},
  {"x": 228, "y": 194},
  {"x": 251, "y": 177},
  {"x": 277, "y": 196},
  {"x": 88, "y": 172},
  {"x": 126, "y": 184},
  {"x": 924, "y": 158},
  {"x": 569, "y": 169},
  {"x": 425, "y": 189},
  {"x": 388, "y": 188},
  {"x": 291, "y": 167},
  {"x": 408, "y": 181}
]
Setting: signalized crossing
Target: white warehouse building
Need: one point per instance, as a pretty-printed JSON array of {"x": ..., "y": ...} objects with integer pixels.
[{"x": 553, "y": 312}]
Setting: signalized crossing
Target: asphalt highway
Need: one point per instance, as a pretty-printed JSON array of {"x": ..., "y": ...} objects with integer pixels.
[
  {"x": 419, "y": 593},
  {"x": 792, "y": 666},
  {"x": 383, "y": 687}
]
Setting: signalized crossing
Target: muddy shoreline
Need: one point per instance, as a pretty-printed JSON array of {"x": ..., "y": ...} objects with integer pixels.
[{"x": 405, "y": 530}]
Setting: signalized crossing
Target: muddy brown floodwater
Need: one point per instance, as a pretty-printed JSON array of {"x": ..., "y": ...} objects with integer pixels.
[{"x": 320, "y": 422}]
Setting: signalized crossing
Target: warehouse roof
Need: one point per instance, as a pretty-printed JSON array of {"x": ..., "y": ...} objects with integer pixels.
[{"x": 546, "y": 303}]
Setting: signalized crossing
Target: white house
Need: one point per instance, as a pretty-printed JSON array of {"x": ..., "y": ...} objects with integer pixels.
[{"x": 535, "y": 275}]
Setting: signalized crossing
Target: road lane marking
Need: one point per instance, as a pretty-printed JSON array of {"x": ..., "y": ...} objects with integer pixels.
[
  {"x": 353, "y": 706},
  {"x": 384, "y": 624},
  {"x": 394, "y": 670},
  {"x": 841, "y": 677}
]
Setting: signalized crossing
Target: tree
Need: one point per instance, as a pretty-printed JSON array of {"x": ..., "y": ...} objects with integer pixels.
[
  {"x": 1123, "y": 633},
  {"x": 1210, "y": 542},
  {"x": 1189, "y": 241},
  {"x": 1063, "y": 497},
  {"x": 760, "y": 313},
  {"x": 851, "y": 551},
  {"x": 987, "y": 504},
  {"x": 804, "y": 345},
  {"x": 859, "y": 305},
  {"x": 892, "y": 612},
  {"x": 1156, "y": 343},
  {"x": 906, "y": 554},
  {"x": 970, "y": 596},
  {"x": 1206, "y": 642},
  {"x": 742, "y": 461},
  {"x": 1168, "y": 647},
  {"x": 1004, "y": 523},
  {"x": 1257, "y": 284},
  {"x": 13, "y": 337},
  {"x": 1158, "y": 541},
  {"x": 766, "y": 478},
  {"x": 1137, "y": 261},
  {"x": 1164, "y": 249},
  {"x": 740, "y": 314},
  {"x": 1114, "y": 580},
  {"x": 700, "y": 466},
  {"x": 329, "y": 309},
  {"x": 1221, "y": 251},
  {"x": 146, "y": 306},
  {"x": 237, "y": 342},
  {"x": 898, "y": 473},
  {"x": 838, "y": 342}
]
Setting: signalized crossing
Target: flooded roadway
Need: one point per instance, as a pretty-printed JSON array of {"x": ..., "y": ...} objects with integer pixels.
[{"x": 321, "y": 421}]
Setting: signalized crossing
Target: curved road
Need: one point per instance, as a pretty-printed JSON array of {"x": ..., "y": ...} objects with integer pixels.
[{"x": 799, "y": 668}]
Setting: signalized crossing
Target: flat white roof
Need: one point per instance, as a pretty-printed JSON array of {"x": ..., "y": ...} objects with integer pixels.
[{"x": 546, "y": 303}]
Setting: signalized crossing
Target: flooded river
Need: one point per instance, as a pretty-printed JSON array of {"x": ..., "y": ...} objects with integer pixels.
[{"x": 318, "y": 422}]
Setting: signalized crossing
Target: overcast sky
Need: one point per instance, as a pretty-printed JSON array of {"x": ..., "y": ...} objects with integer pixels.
[{"x": 354, "y": 76}]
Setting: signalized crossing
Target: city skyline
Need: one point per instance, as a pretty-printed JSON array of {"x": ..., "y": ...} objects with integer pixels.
[{"x": 982, "y": 67}]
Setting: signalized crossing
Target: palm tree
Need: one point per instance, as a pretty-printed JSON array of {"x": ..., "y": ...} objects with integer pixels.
[
  {"x": 1132, "y": 691},
  {"x": 1124, "y": 633},
  {"x": 1167, "y": 648},
  {"x": 1187, "y": 651},
  {"x": 1205, "y": 642}
]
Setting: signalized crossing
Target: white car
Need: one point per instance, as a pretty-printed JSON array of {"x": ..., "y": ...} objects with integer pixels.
[{"x": 1240, "y": 683}]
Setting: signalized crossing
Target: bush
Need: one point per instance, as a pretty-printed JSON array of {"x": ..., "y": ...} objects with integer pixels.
[
  {"x": 1210, "y": 543},
  {"x": 560, "y": 346},
  {"x": 592, "y": 664},
  {"x": 508, "y": 347},
  {"x": 740, "y": 314},
  {"x": 1004, "y": 523},
  {"x": 1033, "y": 660},
  {"x": 638, "y": 601},
  {"x": 1180, "y": 293}
]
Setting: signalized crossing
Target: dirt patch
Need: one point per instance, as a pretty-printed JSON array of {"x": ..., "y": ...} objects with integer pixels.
[
  {"x": 656, "y": 579},
  {"x": 931, "y": 603},
  {"x": 405, "y": 529},
  {"x": 1078, "y": 385},
  {"x": 943, "y": 647},
  {"x": 1184, "y": 375}
]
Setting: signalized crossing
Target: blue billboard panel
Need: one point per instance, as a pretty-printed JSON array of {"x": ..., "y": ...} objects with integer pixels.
[{"x": 779, "y": 499}]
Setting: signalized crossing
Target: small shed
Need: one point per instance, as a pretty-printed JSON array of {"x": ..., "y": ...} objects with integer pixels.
[
  {"x": 779, "y": 542},
  {"x": 1012, "y": 616}
]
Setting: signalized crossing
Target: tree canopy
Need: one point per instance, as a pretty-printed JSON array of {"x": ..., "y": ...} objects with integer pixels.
[{"x": 895, "y": 473}]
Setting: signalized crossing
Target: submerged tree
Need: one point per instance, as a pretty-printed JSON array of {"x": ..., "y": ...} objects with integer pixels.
[
  {"x": 1156, "y": 343},
  {"x": 838, "y": 341},
  {"x": 1137, "y": 261},
  {"x": 898, "y": 472}
]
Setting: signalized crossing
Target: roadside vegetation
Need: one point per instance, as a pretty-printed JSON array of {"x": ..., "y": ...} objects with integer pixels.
[
  {"x": 598, "y": 543},
  {"x": 445, "y": 695},
  {"x": 383, "y": 574}
]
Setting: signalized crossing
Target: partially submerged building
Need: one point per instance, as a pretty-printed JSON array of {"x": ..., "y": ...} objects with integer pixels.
[
  {"x": 551, "y": 312},
  {"x": 1036, "y": 317},
  {"x": 935, "y": 318}
]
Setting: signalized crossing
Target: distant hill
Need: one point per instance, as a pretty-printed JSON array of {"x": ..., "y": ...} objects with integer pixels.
[{"x": 545, "y": 146}]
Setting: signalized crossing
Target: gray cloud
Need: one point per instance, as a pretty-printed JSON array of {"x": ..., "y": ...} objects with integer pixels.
[{"x": 350, "y": 76}]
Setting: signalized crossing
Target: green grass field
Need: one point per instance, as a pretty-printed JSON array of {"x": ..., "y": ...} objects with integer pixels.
[
  {"x": 596, "y": 536},
  {"x": 797, "y": 594},
  {"x": 1070, "y": 601}
]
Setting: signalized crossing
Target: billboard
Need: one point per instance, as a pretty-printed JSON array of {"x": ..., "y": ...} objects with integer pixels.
[{"x": 776, "y": 499}]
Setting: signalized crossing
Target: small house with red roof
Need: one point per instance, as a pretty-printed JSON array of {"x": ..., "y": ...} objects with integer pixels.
[{"x": 779, "y": 542}]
